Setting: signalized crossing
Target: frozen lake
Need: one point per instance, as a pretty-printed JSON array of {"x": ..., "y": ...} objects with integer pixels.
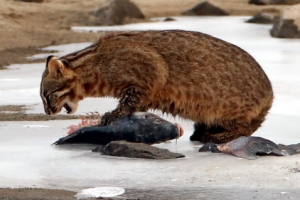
[{"x": 27, "y": 158}]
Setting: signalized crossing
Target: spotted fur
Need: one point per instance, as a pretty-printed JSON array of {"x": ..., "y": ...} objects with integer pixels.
[{"x": 214, "y": 83}]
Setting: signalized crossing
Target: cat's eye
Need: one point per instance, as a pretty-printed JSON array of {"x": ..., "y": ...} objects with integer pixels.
[{"x": 47, "y": 99}]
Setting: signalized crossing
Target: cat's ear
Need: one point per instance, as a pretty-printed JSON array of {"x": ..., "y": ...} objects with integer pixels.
[
  {"x": 55, "y": 66},
  {"x": 48, "y": 59}
]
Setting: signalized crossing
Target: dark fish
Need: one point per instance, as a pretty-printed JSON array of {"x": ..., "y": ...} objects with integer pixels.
[
  {"x": 251, "y": 147},
  {"x": 141, "y": 127}
]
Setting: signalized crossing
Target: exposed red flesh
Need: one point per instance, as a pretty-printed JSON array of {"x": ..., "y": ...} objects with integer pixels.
[
  {"x": 84, "y": 122},
  {"x": 180, "y": 130}
]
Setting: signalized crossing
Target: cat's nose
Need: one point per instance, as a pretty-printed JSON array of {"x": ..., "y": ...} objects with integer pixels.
[{"x": 47, "y": 111}]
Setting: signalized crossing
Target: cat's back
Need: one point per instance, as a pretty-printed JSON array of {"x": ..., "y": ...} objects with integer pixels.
[{"x": 191, "y": 58}]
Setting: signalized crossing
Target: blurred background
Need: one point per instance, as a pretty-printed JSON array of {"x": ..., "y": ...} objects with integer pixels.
[{"x": 26, "y": 25}]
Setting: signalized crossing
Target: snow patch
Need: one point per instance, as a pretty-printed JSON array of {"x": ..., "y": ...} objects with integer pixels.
[{"x": 100, "y": 192}]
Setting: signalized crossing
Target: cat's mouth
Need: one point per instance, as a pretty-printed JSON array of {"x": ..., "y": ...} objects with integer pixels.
[{"x": 68, "y": 108}]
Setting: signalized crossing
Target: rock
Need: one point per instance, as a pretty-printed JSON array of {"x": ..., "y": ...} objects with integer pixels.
[
  {"x": 274, "y": 2},
  {"x": 258, "y": 2},
  {"x": 31, "y": 1},
  {"x": 287, "y": 25},
  {"x": 262, "y": 18},
  {"x": 116, "y": 12},
  {"x": 205, "y": 8},
  {"x": 266, "y": 2},
  {"x": 169, "y": 19},
  {"x": 292, "y": 2},
  {"x": 136, "y": 150}
]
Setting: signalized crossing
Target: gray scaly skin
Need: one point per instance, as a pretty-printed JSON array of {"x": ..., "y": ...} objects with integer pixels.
[
  {"x": 141, "y": 127},
  {"x": 250, "y": 147}
]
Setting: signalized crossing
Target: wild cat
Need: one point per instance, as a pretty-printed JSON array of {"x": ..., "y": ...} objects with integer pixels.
[{"x": 193, "y": 75}]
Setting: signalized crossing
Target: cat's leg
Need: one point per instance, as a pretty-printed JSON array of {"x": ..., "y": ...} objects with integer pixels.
[{"x": 132, "y": 100}]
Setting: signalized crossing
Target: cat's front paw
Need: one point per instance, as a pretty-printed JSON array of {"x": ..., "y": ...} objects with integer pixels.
[{"x": 108, "y": 118}]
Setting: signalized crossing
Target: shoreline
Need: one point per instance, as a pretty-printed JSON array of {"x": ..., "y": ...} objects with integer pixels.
[{"x": 30, "y": 26}]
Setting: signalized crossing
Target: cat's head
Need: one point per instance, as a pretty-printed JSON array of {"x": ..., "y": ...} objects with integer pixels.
[{"x": 58, "y": 87}]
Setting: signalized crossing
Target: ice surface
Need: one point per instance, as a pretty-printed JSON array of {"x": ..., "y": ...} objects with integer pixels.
[{"x": 27, "y": 157}]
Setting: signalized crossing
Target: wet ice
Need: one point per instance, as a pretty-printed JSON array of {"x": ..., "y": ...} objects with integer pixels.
[{"x": 27, "y": 158}]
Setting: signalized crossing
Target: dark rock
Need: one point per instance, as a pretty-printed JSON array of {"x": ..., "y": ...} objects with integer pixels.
[
  {"x": 31, "y": 1},
  {"x": 205, "y": 8},
  {"x": 169, "y": 19},
  {"x": 136, "y": 150},
  {"x": 288, "y": 24},
  {"x": 262, "y": 18},
  {"x": 285, "y": 29},
  {"x": 292, "y": 2},
  {"x": 257, "y": 2},
  {"x": 116, "y": 12},
  {"x": 285, "y": 2},
  {"x": 274, "y": 2},
  {"x": 278, "y": 2}
]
